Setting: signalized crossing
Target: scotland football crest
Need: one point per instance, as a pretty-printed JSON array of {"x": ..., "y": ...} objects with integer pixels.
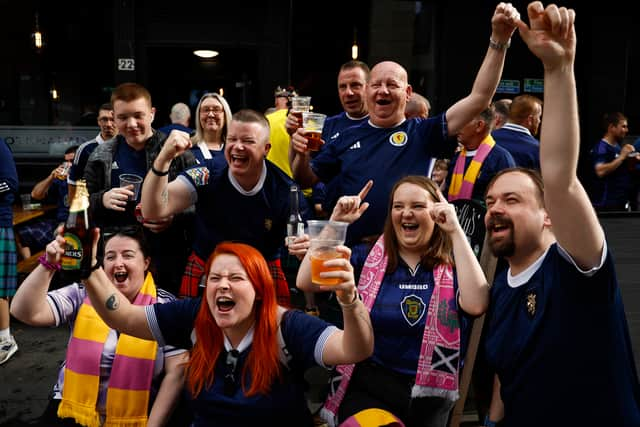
[{"x": 413, "y": 308}]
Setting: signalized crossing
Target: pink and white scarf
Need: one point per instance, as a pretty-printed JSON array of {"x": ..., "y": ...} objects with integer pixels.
[{"x": 436, "y": 374}]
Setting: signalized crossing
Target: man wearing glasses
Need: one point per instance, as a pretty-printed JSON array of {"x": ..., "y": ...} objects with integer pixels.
[{"x": 108, "y": 131}]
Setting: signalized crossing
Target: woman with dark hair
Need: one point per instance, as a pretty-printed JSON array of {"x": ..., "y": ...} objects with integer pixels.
[
  {"x": 248, "y": 355},
  {"x": 107, "y": 378},
  {"x": 418, "y": 303}
]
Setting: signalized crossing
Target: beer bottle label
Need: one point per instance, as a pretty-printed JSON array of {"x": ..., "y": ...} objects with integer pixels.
[{"x": 72, "y": 257}]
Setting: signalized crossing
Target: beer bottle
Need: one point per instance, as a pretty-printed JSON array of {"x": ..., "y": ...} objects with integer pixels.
[
  {"x": 295, "y": 225},
  {"x": 78, "y": 233}
]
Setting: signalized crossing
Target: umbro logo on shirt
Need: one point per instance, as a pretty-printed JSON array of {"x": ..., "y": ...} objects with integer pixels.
[{"x": 355, "y": 146}]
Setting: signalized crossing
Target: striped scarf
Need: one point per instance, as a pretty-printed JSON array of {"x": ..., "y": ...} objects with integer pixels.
[
  {"x": 437, "y": 371},
  {"x": 462, "y": 188},
  {"x": 131, "y": 372}
]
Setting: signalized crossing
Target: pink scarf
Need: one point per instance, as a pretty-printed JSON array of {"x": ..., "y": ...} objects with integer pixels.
[{"x": 437, "y": 372}]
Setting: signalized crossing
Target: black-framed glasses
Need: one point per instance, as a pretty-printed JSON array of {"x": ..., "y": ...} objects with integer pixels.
[{"x": 230, "y": 376}]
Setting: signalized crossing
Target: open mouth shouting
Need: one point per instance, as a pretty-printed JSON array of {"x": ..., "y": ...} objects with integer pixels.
[
  {"x": 225, "y": 304},
  {"x": 238, "y": 160},
  {"x": 499, "y": 225},
  {"x": 120, "y": 276},
  {"x": 409, "y": 227}
]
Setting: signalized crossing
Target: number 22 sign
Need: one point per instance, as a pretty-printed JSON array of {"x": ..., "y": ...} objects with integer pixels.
[{"x": 126, "y": 64}]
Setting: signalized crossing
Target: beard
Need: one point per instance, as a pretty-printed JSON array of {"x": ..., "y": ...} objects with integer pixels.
[{"x": 506, "y": 246}]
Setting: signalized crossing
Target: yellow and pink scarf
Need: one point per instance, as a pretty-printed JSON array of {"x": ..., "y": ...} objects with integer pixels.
[
  {"x": 131, "y": 372},
  {"x": 462, "y": 183}
]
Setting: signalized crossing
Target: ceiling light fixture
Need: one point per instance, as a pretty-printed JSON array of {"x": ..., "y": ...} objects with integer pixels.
[
  {"x": 354, "y": 47},
  {"x": 205, "y": 53},
  {"x": 36, "y": 36}
]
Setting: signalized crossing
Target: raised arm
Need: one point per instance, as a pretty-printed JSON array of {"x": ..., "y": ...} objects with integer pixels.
[
  {"x": 40, "y": 190},
  {"x": 472, "y": 283},
  {"x": 503, "y": 24},
  {"x": 160, "y": 198},
  {"x": 355, "y": 342},
  {"x": 114, "y": 308},
  {"x": 348, "y": 209},
  {"x": 551, "y": 37},
  {"x": 299, "y": 158},
  {"x": 30, "y": 305}
]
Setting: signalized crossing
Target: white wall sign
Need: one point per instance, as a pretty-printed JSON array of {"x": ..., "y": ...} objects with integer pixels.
[{"x": 126, "y": 64}]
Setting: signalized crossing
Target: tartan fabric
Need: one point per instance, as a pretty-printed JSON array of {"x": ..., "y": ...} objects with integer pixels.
[
  {"x": 37, "y": 234},
  {"x": 190, "y": 286},
  {"x": 280, "y": 282},
  {"x": 193, "y": 272},
  {"x": 8, "y": 262}
]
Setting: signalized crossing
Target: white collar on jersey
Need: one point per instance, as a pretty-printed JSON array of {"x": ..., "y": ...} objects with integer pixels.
[
  {"x": 254, "y": 190},
  {"x": 244, "y": 344}
]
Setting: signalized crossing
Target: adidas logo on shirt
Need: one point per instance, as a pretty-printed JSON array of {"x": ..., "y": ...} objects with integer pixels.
[{"x": 355, "y": 146}]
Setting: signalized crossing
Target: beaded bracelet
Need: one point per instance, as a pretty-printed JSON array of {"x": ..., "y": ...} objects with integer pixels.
[{"x": 46, "y": 264}]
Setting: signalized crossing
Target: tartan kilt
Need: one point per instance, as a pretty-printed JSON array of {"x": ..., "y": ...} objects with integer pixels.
[
  {"x": 280, "y": 282},
  {"x": 8, "y": 263},
  {"x": 194, "y": 271}
]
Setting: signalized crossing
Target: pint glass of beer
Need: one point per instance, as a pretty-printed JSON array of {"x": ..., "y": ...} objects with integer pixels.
[
  {"x": 299, "y": 105},
  {"x": 325, "y": 237},
  {"x": 312, "y": 123}
]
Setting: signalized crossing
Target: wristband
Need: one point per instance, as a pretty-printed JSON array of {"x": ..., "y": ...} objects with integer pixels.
[
  {"x": 159, "y": 173},
  {"x": 95, "y": 266},
  {"x": 499, "y": 46},
  {"x": 351, "y": 304},
  {"x": 489, "y": 423},
  {"x": 46, "y": 264}
]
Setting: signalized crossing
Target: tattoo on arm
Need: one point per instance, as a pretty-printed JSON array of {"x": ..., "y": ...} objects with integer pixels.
[
  {"x": 165, "y": 196},
  {"x": 112, "y": 302}
]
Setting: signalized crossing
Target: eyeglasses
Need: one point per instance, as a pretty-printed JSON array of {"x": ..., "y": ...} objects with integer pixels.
[
  {"x": 214, "y": 110},
  {"x": 230, "y": 376}
]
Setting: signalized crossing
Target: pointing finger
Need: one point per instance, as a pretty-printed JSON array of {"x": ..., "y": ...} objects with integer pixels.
[
  {"x": 365, "y": 190},
  {"x": 441, "y": 197}
]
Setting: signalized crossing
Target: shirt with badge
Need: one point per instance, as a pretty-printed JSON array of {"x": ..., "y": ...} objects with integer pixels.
[
  {"x": 222, "y": 404},
  {"x": 558, "y": 338},
  {"x": 224, "y": 211},
  {"x": 399, "y": 314},
  {"x": 384, "y": 155}
]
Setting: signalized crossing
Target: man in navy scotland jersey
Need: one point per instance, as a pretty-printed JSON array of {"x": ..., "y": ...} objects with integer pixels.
[
  {"x": 557, "y": 334},
  {"x": 247, "y": 201},
  {"x": 387, "y": 146}
]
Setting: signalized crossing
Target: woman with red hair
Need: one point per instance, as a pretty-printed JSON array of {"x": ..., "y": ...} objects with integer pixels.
[{"x": 248, "y": 355}]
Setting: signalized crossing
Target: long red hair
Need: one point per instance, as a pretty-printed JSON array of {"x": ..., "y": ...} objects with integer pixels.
[{"x": 262, "y": 362}]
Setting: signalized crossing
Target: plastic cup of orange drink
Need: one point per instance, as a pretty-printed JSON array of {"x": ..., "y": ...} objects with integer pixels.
[{"x": 325, "y": 237}]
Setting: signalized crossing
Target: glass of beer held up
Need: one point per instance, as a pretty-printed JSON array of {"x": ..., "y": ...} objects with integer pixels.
[
  {"x": 325, "y": 236},
  {"x": 312, "y": 123}
]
